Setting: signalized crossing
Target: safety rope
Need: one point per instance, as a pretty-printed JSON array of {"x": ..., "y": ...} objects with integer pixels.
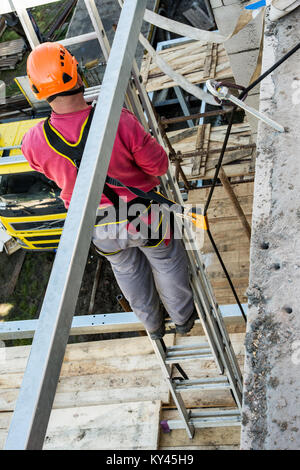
[{"x": 242, "y": 95}]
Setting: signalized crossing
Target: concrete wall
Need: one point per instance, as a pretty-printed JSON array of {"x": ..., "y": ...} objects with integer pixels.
[{"x": 271, "y": 418}]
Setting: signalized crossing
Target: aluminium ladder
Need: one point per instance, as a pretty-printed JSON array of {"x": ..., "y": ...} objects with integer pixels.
[
  {"x": 218, "y": 344},
  {"x": 192, "y": 419}
]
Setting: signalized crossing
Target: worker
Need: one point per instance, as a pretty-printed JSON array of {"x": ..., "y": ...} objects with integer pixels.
[{"x": 146, "y": 270}]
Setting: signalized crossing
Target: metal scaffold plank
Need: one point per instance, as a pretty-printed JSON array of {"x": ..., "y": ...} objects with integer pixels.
[{"x": 91, "y": 324}]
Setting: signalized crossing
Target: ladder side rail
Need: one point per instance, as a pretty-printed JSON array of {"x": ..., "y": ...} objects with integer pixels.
[
  {"x": 170, "y": 181},
  {"x": 202, "y": 313},
  {"x": 157, "y": 134},
  {"x": 201, "y": 283},
  {"x": 220, "y": 321},
  {"x": 131, "y": 99},
  {"x": 30, "y": 419},
  {"x": 202, "y": 287},
  {"x": 98, "y": 27},
  {"x": 227, "y": 355},
  {"x": 217, "y": 316},
  {"x": 220, "y": 352},
  {"x": 229, "y": 369},
  {"x": 229, "y": 349},
  {"x": 26, "y": 23},
  {"x": 167, "y": 372}
]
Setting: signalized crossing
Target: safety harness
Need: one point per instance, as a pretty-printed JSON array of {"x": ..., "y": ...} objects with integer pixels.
[{"x": 74, "y": 152}]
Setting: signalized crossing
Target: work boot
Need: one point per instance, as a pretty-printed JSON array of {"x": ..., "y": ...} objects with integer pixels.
[
  {"x": 188, "y": 325},
  {"x": 159, "y": 333}
]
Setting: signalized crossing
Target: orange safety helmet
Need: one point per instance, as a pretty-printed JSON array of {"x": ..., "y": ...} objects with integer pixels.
[{"x": 51, "y": 70}]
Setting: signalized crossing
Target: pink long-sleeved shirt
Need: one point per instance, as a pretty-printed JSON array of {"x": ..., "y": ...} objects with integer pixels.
[{"x": 136, "y": 160}]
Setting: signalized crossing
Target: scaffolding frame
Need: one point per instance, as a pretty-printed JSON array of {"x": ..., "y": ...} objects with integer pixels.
[{"x": 30, "y": 419}]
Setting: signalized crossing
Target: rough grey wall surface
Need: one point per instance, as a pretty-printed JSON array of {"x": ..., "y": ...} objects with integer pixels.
[{"x": 271, "y": 415}]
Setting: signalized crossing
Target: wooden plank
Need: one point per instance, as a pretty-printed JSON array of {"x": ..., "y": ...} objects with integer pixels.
[
  {"x": 85, "y": 380},
  {"x": 2, "y": 25},
  {"x": 15, "y": 46},
  {"x": 146, "y": 66},
  {"x": 94, "y": 373},
  {"x": 91, "y": 350},
  {"x": 225, "y": 296},
  {"x": 241, "y": 169},
  {"x": 229, "y": 237},
  {"x": 126, "y": 426},
  {"x": 206, "y": 143},
  {"x": 208, "y": 60},
  {"x": 201, "y": 194},
  {"x": 202, "y": 145},
  {"x": 204, "y": 398},
  {"x": 223, "y": 209},
  {"x": 235, "y": 202},
  {"x": 196, "y": 61},
  {"x": 118, "y": 426},
  {"x": 240, "y": 135},
  {"x": 214, "y": 437},
  {"x": 87, "y": 383},
  {"x": 232, "y": 170},
  {"x": 9, "y": 63},
  {"x": 242, "y": 154},
  {"x": 95, "y": 389}
]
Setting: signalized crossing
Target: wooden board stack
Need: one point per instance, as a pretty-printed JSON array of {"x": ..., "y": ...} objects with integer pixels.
[
  {"x": 229, "y": 237},
  {"x": 11, "y": 52},
  {"x": 205, "y": 141},
  {"x": 196, "y": 61},
  {"x": 111, "y": 395}
]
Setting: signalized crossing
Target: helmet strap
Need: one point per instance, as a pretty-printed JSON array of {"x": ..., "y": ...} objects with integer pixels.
[{"x": 66, "y": 93}]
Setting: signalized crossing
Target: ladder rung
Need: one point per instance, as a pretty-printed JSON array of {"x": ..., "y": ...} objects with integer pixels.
[
  {"x": 188, "y": 346},
  {"x": 78, "y": 39},
  {"x": 209, "y": 419},
  {"x": 188, "y": 357},
  {"x": 213, "y": 383},
  {"x": 188, "y": 352},
  {"x": 213, "y": 413}
]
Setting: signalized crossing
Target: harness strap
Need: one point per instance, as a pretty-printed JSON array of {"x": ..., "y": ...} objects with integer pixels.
[
  {"x": 73, "y": 152},
  {"x": 66, "y": 93},
  {"x": 150, "y": 195},
  {"x": 118, "y": 204}
]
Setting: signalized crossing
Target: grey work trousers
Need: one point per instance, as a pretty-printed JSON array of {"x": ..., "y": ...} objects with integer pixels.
[{"x": 145, "y": 274}]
